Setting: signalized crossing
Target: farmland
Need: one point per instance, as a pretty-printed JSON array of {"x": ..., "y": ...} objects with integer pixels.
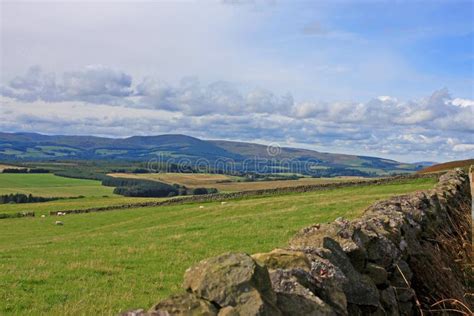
[
  {"x": 103, "y": 263},
  {"x": 48, "y": 185},
  {"x": 227, "y": 183},
  {"x": 3, "y": 166}
]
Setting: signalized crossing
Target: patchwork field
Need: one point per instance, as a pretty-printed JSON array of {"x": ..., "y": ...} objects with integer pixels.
[
  {"x": 194, "y": 180},
  {"x": 48, "y": 185},
  {"x": 3, "y": 166},
  {"x": 104, "y": 263}
]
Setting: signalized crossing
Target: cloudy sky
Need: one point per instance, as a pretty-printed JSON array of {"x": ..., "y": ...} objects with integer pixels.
[{"x": 384, "y": 78}]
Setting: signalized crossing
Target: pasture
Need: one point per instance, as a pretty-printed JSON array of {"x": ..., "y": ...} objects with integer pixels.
[
  {"x": 225, "y": 183},
  {"x": 48, "y": 185},
  {"x": 104, "y": 263}
]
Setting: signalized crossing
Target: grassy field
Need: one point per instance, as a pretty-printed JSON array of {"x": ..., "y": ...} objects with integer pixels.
[
  {"x": 194, "y": 180},
  {"x": 50, "y": 185},
  {"x": 103, "y": 263},
  {"x": 46, "y": 185}
]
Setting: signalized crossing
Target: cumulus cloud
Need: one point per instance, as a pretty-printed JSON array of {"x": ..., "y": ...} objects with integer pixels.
[
  {"x": 95, "y": 84},
  {"x": 193, "y": 98},
  {"x": 110, "y": 102}
]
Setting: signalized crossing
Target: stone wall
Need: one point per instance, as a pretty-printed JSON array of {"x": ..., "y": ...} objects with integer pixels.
[
  {"x": 401, "y": 257},
  {"x": 17, "y": 215},
  {"x": 242, "y": 194}
]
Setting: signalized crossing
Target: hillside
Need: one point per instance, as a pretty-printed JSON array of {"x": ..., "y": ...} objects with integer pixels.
[
  {"x": 173, "y": 148},
  {"x": 448, "y": 165}
]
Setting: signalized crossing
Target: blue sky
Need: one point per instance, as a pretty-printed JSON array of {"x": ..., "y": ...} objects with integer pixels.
[{"x": 385, "y": 78}]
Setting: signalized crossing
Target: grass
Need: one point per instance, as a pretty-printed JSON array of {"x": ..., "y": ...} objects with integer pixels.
[
  {"x": 47, "y": 185},
  {"x": 50, "y": 185},
  {"x": 104, "y": 263},
  {"x": 193, "y": 180},
  {"x": 72, "y": 204}
]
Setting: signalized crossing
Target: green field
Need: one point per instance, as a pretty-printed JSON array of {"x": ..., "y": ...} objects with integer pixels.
[
  {"x": 50, "y": 185},
  {"x": 103, "y": 263}
]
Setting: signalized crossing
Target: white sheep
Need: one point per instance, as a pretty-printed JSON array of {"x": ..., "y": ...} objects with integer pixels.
[
  {"x": 223, "y": 203},
  {"x": 201, "y": 206},
  {"x": 43, "y": 216},
  {"x": 59, "y": 223}
]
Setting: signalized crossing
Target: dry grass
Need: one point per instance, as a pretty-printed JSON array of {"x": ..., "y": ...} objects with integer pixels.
[
  {"x": 447, "y": 270},
  {"x": 194, "y": 180},
  {"x": 191, "y": 180},
  {"x": 448, "y": 166},
  {"x": 2, "y": 166}
]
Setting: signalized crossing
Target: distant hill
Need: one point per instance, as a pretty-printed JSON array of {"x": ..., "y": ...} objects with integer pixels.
[
  {"x": 448, "y": 165},
  {"x": 37, "y": 147},
  {"x": 425, "y": 164}
]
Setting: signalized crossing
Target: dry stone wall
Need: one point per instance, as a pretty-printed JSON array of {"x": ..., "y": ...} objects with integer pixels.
[{"x": 401, "y": 257}]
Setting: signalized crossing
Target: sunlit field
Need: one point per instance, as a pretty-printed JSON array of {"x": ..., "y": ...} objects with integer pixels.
[{"x": 104, "y": 263}]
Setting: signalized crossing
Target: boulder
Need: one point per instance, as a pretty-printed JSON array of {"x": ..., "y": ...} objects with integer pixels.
[
  {"x": 183, "y": 305},
  {"x": 359, "y": 289},
  {"x": 233, "y": 279},
  {"x": 283, "y": 259},
  {"x": 294, "y": 296},
  {"x": 328, "y": 281},
  {"x": 377, "y": 273},
  {"x": 228, "y": 311},
  {"x": 388, "y": 299}
]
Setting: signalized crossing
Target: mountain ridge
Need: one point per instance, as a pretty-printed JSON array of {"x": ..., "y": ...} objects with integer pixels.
[{"x": 35, "y": 146}]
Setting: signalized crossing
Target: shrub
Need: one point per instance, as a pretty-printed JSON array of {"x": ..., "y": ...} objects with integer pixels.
[
  {"x": 201, "y": 191},
  {"x": 38, "y": 170},
  {"x": 23, "y": 198},
  {"x": 15, "y": 170},
  {"x": 145, "y": 191}
]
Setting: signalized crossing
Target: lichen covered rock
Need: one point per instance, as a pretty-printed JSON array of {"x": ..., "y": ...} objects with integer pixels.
[
  {"x": 233, "y": 279},
  {"x": 183, "y": 305}
]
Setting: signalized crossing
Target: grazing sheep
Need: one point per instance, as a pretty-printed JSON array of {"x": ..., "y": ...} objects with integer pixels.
[
  {"x": 223, "y": 203},
  {"x": 43, "y": 216},
  {"x": 59, "y": 223},
  {"x": 201, "y": 206}
]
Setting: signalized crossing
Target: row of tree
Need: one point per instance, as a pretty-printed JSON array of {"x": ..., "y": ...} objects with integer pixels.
[
  {"x": 23, "y": 198},
  {"x": 148, "y": 188},
  {"x": 25, "y": 170}
]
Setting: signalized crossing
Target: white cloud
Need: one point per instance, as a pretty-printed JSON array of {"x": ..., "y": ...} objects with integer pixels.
[
  {"x": 102, "y": 101},
  {"x": 464, "y": 147},
  {"x": 463, "y": 102}
]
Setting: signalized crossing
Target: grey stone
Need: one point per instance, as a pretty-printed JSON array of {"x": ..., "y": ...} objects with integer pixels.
[{"x": 233, "y": 279}]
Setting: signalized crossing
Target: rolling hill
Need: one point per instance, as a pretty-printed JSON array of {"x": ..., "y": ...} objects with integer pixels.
[
  {"x": 173, "y": 148},
  {"x": 448, "y": 165}
]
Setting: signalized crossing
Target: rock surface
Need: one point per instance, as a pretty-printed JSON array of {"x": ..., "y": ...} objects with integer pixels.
[{"x": 233, "y": 279}]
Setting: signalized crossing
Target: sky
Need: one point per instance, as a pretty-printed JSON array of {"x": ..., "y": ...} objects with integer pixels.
[{"x": 392, "y": 79}]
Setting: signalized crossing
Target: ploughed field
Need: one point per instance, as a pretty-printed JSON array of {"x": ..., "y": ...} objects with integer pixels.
[
  {"x": 225, "y": 183},
  {"x": 104, "y": 263}
]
